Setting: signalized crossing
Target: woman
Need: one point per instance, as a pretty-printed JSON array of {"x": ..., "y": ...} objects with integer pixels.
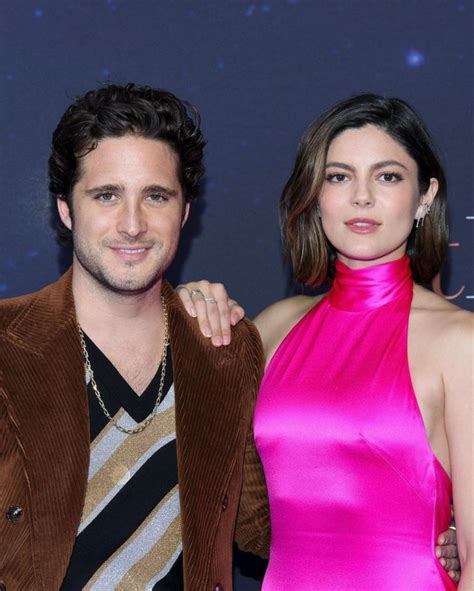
[{"x": 364, "y": 417}]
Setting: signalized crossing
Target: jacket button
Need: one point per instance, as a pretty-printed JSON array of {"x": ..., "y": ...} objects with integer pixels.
[
  {"x": 218, "y": 587},
  {"x": 13, "y": 514},
  {"x": 225, "y": 504}
]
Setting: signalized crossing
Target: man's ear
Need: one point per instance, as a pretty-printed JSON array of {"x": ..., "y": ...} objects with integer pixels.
[
  {"x": 64, "y": 211},
  {"x": 186, "y": 210}
]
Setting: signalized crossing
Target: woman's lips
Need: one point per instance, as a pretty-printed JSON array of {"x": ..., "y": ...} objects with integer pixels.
[{"x": 362, "y": 225}]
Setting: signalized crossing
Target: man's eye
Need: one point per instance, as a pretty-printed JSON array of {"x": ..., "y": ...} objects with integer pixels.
[
  {"x": 106, "y": 197},
  {"x": 157, "y": 197},
  {"x": 337, "y": 177}
]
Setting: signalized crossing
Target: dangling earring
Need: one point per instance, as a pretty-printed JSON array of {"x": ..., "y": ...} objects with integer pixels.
[{"x": 421, "y": 219}]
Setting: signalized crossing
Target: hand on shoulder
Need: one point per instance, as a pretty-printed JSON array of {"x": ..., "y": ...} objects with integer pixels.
[{"x": 215, "y": 311}]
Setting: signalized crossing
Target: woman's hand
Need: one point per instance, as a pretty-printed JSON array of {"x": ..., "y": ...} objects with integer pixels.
[
  {"x": 214, "y": 310},
  {"x": 447, "y": 553}
]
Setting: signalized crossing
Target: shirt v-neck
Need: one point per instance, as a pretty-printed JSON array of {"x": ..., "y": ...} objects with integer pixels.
[{"x": 115, "y": 390}]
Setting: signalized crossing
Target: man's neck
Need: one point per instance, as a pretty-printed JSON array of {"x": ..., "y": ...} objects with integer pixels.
[
  {"x": 106, "y": 315},
  {"x": 128, "y": 329}
]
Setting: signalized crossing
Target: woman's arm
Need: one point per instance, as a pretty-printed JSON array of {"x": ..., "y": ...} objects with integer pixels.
[{"x": 459, "y": 421}]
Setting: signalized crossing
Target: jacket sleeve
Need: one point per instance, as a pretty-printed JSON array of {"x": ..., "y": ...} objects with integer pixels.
[{"x": 253, "y": 525}]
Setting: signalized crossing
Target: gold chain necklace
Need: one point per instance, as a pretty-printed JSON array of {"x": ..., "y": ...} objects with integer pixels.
[{"x": 89, "y": 374}]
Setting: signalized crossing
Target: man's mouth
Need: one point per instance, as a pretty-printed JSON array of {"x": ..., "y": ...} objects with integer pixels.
[{"x": 132, "y": 250}]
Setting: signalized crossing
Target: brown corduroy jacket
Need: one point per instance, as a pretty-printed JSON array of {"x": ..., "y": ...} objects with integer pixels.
[{"x": 44, "y": 442}]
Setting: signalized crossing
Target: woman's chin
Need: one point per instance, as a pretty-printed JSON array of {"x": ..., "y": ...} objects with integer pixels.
[{"x": 367, "y": 258}]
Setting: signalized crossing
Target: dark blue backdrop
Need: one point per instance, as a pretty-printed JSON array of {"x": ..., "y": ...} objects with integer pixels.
[{"x": 259, "y": 72}]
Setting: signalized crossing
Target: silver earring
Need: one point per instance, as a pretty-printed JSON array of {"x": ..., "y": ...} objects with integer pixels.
[{"x": 421, "y": 219}]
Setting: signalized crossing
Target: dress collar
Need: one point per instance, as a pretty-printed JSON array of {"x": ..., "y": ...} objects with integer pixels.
[{"x": 357, "y": 290}]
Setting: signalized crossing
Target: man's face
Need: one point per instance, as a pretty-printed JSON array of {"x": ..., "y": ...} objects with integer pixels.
[{"x": 128, "y": 211}]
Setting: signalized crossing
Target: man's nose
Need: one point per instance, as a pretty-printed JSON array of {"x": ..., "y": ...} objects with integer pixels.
[{"x": 132, "y": 220}]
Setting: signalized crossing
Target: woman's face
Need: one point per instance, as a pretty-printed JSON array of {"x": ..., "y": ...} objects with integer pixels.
[{"x": 370, "y": 197}]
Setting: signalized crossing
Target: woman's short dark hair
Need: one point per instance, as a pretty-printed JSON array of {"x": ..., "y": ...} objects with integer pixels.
[
  {"x": 116, "y": 111},
  {"x": 305, "y": 244}
]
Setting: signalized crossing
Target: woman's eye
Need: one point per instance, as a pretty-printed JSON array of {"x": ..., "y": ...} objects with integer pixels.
[
  {"x": 337, "y": 177},
  {"x": 391, "y": 177}
]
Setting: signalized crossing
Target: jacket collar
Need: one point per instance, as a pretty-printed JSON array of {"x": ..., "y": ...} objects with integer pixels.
[
  {"x": 52, "y": 308},
  {"x": 48, "y": 312}
]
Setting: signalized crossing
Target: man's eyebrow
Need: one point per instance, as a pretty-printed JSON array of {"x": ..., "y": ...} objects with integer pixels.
[
  {"x": 104, "y": 189},
  {"x": 160, "y": 189}
]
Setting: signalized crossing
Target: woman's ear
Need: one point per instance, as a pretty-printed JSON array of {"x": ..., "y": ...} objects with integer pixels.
[{"x": 426, "y": 200}]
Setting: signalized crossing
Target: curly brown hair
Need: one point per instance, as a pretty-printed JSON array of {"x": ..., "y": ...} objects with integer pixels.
[{"x": 116, "y": 111}]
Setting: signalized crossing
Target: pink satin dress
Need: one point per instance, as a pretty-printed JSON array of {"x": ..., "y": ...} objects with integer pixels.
[{"x": 357, "y": 497}]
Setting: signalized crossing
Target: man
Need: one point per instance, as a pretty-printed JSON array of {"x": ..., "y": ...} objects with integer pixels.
[
  {"x": 133, "y": 480},
  {"x": 124, "y": 434}
]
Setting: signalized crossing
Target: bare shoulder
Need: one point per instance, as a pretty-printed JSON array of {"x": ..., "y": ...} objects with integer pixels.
[
  {"x": 444, "y": 327},
  {"x": 276, "y": 321},
  {"x": 439, "y": 311}
]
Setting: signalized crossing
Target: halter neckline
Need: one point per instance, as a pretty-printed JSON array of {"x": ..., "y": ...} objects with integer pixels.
[{"x": 357, "y": 290}]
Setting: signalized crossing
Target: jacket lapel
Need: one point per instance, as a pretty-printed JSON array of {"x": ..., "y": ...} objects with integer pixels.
[{"x": 45, "y": 379}]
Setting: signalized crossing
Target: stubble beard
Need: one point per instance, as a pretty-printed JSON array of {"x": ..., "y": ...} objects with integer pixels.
[{"x": 91, "y": 260}]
